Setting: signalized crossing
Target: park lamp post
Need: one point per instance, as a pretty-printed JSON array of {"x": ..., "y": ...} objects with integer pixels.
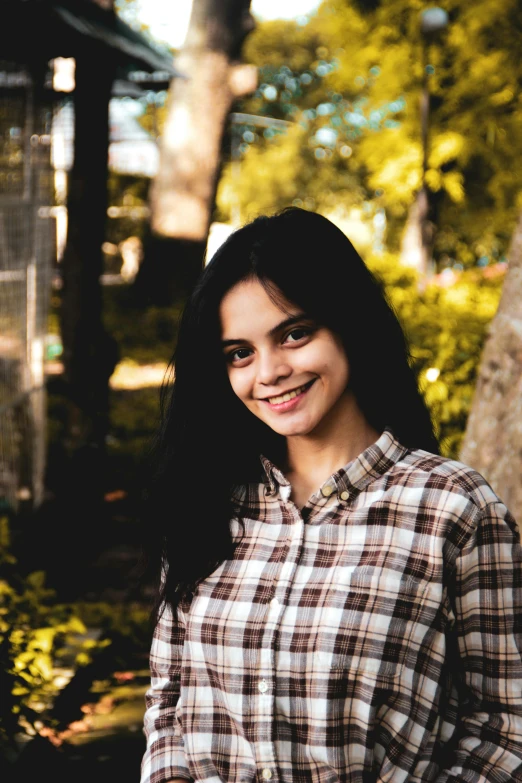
[{"x": 433, "y": 21}]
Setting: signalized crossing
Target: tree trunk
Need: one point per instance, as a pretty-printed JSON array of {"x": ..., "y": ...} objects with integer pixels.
[
  {"x": 419, "y": 234},
  {"x": 183, "y": 192},
  {"x": 90, "y": 355},
  {"x": 493, "y": 439}
]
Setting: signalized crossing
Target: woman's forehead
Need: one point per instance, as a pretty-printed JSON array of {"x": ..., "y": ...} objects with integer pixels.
[{"x": 248, "y": 307}]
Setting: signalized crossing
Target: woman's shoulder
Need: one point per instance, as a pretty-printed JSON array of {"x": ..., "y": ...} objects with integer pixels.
[
  {"x": 251, "y": 494},
  {"x": 457, "y": 498},
  {"x": 447, "y": 475}
]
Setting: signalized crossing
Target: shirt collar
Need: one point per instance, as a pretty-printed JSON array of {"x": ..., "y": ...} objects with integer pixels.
[{"x": 374, "y": 461}]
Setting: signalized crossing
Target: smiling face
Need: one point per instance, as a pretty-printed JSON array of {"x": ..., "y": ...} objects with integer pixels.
[{"x": 289, "y": 371}]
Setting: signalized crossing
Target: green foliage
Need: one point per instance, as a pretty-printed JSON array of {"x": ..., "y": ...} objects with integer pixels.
[
  {"x": 304, "y": 182},
  {"x": 34, "y": 630},
  {"x": 350, "y": 80},
  {"x": 126, "y": 621},
  {"x": 446, "y": 328},
  {"x": 40, "y": 636}
]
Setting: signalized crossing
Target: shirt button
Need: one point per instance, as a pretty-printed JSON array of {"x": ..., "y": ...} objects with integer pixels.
[
  {"x": 263, "y": 687},
  {"x": 274, "y": 602},
  {"x": 344, "y": 495},
  {"x": 327, "y": 490},
  {"x": 266, "y": 774}
]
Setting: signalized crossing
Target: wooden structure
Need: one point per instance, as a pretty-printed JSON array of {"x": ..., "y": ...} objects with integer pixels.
[{"x": 33, "y": 33}]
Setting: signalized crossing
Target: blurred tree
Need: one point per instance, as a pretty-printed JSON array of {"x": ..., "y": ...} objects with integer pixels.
[
  {"x": 90, "y": 354},
  {"x": 182, "y": 194},
  {"x": 493, "y": 439}
]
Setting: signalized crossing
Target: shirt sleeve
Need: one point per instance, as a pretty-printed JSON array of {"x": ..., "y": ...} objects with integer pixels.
[
  {"x": 488, "y": 624},
  {"x": 164, "y": 757}
]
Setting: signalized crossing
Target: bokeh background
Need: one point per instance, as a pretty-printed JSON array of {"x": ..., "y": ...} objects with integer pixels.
[{"x": 134, "y": 137}]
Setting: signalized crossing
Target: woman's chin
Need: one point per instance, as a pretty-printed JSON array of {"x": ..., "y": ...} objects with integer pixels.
[{"x": 291, "y": 429}]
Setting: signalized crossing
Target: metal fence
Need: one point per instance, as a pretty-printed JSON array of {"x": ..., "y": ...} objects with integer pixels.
[{"x": 27, "y": 250}]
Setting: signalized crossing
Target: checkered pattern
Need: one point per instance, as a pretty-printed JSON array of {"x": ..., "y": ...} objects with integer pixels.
[{"x": 371, "y": 639}]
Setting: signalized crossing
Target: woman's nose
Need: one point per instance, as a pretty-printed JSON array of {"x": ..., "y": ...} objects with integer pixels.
[{"x": 272, "y": 367}]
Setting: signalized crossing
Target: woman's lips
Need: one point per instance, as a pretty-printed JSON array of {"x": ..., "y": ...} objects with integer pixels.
[{"x": 282, "y": 407}]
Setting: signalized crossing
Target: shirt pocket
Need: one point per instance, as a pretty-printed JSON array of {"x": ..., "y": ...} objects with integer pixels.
[{"x": 371, "y": 625}]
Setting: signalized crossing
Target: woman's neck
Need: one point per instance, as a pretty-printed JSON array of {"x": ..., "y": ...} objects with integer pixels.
[{"x": 339, "y": 439}]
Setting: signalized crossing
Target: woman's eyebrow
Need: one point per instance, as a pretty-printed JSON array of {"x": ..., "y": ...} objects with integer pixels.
[{"x": 294, "y": 319}]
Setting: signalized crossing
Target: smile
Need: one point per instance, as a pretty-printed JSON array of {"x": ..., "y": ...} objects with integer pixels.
[{"x": 289, "y": 395}]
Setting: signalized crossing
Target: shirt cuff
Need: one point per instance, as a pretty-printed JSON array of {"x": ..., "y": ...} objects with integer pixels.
[{"x": 164, "y": 758}]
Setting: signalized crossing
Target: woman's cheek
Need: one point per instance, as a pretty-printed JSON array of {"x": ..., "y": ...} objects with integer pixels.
[
  {"x": 235, "y": 387},
  {"x": 239, "y": 382}
]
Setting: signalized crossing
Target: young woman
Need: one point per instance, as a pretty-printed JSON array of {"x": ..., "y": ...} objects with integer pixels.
[{"x": 338, "y": 602}]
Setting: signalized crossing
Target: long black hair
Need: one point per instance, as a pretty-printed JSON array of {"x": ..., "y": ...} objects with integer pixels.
[{"x": 208, "y": 441}]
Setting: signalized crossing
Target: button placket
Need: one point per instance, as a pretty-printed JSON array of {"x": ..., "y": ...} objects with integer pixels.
[
  {"x": 264, "y": 697},
  {"x": 265, "y": 711},
  {"x": 327, "y": 490},
  {"x": 265, "y": 689}
]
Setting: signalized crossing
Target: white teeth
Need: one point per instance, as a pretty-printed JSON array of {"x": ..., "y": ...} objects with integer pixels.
[{"x": 286, "y": 397}]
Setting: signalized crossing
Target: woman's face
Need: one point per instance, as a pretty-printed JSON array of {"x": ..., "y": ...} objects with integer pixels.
[{"x": 289, "y": 371}]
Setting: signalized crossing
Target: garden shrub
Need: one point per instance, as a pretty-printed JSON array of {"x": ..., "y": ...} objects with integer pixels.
[
  {"x": 446, "y": 326},
  {"x": 35, "y": 631}
]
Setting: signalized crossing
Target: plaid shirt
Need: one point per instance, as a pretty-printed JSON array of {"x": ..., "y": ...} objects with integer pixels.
[{"x": 372, "y": 637}]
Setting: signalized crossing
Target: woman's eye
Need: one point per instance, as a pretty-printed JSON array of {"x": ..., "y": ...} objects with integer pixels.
[
  {"x": 297, "y": 334},
  {"x": 238, "y": 355}
]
